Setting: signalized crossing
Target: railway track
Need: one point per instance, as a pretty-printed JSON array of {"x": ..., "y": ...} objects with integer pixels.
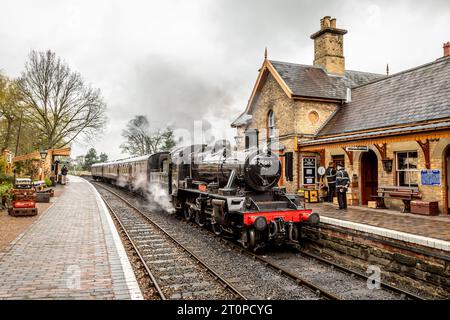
[
  {"x": 334, "y": 266},
  {"x": 302, "y": 266},
  {"x": 175, "y": 271},
  {"x": 313, "y": 291},
  {"x": 324, "y": 278}
]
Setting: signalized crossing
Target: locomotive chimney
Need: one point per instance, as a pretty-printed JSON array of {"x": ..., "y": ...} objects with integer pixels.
[{"x": 251, "y": 138}]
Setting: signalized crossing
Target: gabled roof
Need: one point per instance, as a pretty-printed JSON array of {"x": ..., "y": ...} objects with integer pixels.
[
  {"x": 310, "y": 81},
  {"x": 412, "y": 96},
  {"x": 304, "y": 81}
]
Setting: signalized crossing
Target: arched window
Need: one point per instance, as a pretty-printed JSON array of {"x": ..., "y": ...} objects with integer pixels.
[{"x": 271, "y": 125}]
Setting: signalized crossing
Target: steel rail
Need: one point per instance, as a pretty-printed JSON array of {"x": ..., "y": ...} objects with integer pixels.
[
  {"x": 141, "y": 258},
  {"x": 299, "y": 280},
  {"x": 358, "y": 274},
  {"x": 184, "y": 248}
]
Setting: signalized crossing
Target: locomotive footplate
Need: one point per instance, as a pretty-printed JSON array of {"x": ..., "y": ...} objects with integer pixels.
[{"x": 293, "y": 216}]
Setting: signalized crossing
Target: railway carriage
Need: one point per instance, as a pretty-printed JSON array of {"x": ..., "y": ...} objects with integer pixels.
[{"x": 97, "y": 170}]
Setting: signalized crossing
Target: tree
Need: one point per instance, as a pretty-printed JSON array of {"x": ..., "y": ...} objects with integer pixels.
[
  {"x": 140, "y": 140},
  {"x": 62, "y": 107},
  {"x": 90, "y": 158},
  {"x": 168, "y": 140},
  {"x": 103, "y": 157},
  {"x": 10, "y": 112}
]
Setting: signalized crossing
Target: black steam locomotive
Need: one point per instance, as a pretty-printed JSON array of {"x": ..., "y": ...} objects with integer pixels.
[{"x": 234, "y": 192}]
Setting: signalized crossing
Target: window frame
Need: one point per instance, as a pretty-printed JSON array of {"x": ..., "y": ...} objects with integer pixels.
[
  {"x": 271, "y": 124},
  {"x": 408, "y": 170}
]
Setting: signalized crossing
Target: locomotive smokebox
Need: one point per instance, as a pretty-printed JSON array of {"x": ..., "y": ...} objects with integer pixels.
[{"x": 262, "y": 170}]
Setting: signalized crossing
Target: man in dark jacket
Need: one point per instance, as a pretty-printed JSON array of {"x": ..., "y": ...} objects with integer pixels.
[
  {"x": 342, "y": 184},
  {"x": 330, "y": 174},
  {"x": 64, "y": 172}
]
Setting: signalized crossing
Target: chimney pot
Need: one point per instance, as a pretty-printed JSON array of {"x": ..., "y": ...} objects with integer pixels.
[
  {"x": 333, "y": 23},
  {"x": 447, "y": 49},
  {"x": 326, "y": 21}
]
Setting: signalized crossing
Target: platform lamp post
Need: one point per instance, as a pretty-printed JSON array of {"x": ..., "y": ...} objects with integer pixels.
[{"x": 43, "y": 154}]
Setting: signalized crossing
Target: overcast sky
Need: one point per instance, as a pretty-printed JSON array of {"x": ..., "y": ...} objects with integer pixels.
[{"x": 179, "y": 61}]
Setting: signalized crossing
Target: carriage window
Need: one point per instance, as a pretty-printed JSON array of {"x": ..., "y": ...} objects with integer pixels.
[
  {"x": 407, "y": 173},
  {"x": 271, "y": 125}
]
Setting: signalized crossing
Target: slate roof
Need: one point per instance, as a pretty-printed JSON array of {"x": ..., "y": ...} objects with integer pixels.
[
  {"x": 314, "y": 82},
  {"x": 386, "y": 132},
  {"x": 310, "y": 81},
  {"x": 412, "y": 96}
]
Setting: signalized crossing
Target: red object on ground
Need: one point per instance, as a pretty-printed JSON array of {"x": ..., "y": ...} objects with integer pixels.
[
  {"x": 23, "y": 204},
  {"x": 288, "y": 216}
]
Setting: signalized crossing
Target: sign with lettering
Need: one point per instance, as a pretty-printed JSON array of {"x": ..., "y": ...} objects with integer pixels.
[
  {"x": 430, "y": 177},
  {"x": 357, "y": 148},
  {"x": 309, "y": 170}
]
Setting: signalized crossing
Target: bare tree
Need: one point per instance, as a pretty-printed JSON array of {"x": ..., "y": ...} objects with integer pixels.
[
  {"x": 140, "y": 140},
  {"x": 62, "y": 107}
]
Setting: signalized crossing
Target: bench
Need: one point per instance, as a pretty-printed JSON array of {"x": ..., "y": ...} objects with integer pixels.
[{"x": 406, "y": 194}]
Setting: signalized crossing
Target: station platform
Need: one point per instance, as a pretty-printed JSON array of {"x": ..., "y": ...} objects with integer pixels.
[
  {"x": 72, "y": 251},
  {"x": 428, "y": 231}
]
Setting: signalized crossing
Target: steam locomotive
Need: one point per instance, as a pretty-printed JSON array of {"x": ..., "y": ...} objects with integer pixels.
[{"x": 235, "y": 193}]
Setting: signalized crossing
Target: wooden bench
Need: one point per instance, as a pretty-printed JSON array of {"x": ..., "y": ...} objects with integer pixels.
[{"x": 406, "y": 194}]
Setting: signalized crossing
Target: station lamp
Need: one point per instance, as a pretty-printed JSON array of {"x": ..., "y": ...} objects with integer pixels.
[
  {"x": 387, "y": 165},
  {"x": 43, "y": 154}
]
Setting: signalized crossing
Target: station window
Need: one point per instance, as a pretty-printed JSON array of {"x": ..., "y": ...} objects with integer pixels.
[
  {"x": 271, "y": 125},
  {"x": 407, "y": 173}
]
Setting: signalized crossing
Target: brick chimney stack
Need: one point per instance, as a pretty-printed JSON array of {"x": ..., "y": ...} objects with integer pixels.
[
  {"x": 447, "y": 49},
  {"x": 329, "y": 46}
]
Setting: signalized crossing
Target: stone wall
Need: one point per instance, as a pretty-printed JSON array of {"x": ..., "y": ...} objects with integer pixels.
[
  {"x": 329, "y": 52},
  {"x": 405, "y": 264}
]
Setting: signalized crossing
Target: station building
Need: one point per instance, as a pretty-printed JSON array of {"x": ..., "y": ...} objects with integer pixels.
[{"x": 388, "y": 130}]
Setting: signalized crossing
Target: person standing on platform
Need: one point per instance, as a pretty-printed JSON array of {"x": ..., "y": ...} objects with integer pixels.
[
  {"x": 64, "y": 172},
  {"x": 342, "y": 184},
  {"x": 330, "y": 174}
]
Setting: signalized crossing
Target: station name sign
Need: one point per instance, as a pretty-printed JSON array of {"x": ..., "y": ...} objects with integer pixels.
[{"x": 358, "y": 148}]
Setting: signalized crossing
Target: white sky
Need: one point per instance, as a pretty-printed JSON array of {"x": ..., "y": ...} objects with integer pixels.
[{"x": 179, "y": 61}]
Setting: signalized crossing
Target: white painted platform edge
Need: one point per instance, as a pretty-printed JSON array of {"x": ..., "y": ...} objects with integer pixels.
[
  {"x": 132, "y": 284},
  {"x": 388, "y": 233}
]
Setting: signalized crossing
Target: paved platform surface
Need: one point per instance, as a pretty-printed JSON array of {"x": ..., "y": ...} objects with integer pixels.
[
  {"x": 416, "y": 226},
  {"x": 72, "y": 251}
]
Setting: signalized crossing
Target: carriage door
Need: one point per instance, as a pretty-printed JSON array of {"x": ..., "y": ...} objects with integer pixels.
[{"x": 369, "y": 176}]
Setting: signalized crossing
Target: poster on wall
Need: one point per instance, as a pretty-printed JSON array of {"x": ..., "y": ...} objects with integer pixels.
[
  {"x": 309, "y": 170},
  {"x": 430, "y": 177}
]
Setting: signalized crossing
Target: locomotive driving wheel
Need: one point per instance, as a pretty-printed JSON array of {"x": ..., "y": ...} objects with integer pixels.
[
  {"x": 188, "y": 213},
  {"x": 248, "y": 239},
  {"x": 199, "y": 219},
  {"x": 217, "y": 229}
]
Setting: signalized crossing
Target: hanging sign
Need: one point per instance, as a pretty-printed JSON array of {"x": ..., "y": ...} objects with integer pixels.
[
  {"x": 430, "y": 177},
  {"x": 309, "y": 170},
  {"x": 358, "y": 148}
]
